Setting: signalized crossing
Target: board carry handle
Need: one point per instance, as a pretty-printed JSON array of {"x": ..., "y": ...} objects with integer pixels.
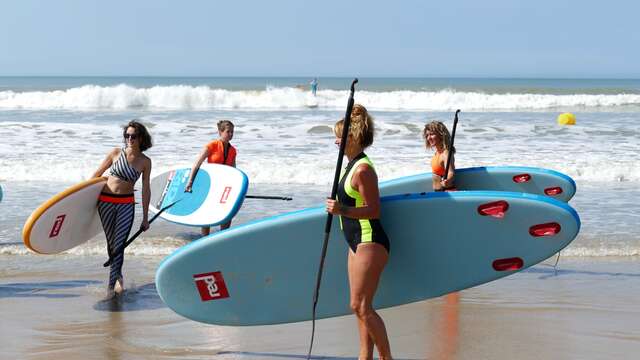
[
  {"x": 140, "y": 231},
  {"x": 327, "y": 226}
]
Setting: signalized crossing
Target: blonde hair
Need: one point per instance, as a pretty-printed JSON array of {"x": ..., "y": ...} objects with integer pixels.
[
  {"x": 439, "y": 128},
  {"x": 225, "y": 124},
  {"x": 361, "y": 128}
]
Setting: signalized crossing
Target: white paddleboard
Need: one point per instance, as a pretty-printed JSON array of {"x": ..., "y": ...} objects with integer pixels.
[
  {"x": 217, "y": 194},
  {"x": 65, "y": 221}
]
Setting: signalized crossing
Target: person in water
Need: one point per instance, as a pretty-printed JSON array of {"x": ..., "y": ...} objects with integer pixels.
[
  {"x": 437, "y": 137},
  {"x": 218, "y": 151},
  {"x": 116, "y": 202},
  {"x": 314, "y": 86},
  {"x": 358, "y": 206}
]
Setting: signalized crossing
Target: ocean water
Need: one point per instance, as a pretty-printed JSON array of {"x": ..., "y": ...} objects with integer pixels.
[{"x": 56, "y": 131}]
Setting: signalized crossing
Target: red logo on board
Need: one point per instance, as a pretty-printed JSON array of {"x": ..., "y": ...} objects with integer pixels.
[
  {"x": 211, "y": 286},
  {"x": 57, "y": 225},
  {"x": 225, "y": 194}
]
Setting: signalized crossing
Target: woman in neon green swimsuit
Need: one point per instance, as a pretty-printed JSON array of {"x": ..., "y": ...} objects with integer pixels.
[{"x": 358, "y": 206}]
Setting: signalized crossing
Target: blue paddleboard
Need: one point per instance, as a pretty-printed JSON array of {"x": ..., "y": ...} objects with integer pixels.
[
  {"x": 498, "y": 178},
  {"x": 217, "y": 194},
  {"x": 264, "y": 272}
]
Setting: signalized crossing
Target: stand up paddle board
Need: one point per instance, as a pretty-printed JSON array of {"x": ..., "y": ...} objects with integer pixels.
[
  {"x": 265, "y": 272},
  {"x": 217, "y": 194},
  {"x": 65, "y": 221},
  {"x": 497, "y": 178}
]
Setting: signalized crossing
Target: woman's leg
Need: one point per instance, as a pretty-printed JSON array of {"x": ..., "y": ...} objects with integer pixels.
[
  {"x": 225, "y": 225},
  {"x": 365, "y": 268},
  {"x": 117, "y": 220},
  {"x": 108, "y": 212},
  {"x": 366, "y": 342}
]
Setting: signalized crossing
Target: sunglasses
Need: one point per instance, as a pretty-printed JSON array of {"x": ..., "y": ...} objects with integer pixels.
[{"x": 130, "y": 136}]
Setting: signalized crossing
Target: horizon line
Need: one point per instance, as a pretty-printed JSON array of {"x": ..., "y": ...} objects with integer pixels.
[{"x": 329, "y": 77}]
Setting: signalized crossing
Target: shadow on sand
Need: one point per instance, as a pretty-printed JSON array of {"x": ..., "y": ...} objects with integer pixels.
[
  {"x": 551, "y": 272},
  {"x": 139, "y": 298},
  {"x": 38, "y": 289},
  {"x": 253, "y": 355}
]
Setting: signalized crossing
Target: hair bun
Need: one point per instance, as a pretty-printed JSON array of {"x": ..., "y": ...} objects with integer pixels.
[{"x": 358, "y": 110}]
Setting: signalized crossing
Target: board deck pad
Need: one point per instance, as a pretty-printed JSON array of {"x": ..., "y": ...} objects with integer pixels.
[
  {"x": 497, "y": 178},
  {"x": 264, "y": 272},
  {"x": 217, "y": 194},
  {"x": 66, "y": 220}
]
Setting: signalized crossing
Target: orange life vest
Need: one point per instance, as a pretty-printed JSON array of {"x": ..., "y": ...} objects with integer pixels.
[{"x": 216, "y": 153}]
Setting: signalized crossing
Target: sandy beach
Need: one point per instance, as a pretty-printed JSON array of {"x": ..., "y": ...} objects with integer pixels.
[{"x": 565, "y": 313}]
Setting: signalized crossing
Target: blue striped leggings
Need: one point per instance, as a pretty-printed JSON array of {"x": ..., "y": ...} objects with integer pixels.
[{"x": 117, "y": 220}]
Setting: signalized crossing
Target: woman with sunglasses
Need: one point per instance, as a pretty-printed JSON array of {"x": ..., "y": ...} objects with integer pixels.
[{"x": 116, "y": 202}]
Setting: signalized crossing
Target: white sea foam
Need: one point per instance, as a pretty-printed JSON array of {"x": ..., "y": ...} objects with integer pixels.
[
  {"x": 280, "y": 148},
  {"x": 184, "y": 97}
]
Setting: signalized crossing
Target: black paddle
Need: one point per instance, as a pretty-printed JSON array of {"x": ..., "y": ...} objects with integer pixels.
[
  {"x": 121, "y": 249},
  {"x": 268, "y": 197},
  {"x": 327, "y": 226},
  {"x": 453, "y": 135}
]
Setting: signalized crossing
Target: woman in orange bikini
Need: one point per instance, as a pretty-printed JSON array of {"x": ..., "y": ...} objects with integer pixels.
[
  {"x": 218, "y": 151},
  {"x": 436, "y": 136}
]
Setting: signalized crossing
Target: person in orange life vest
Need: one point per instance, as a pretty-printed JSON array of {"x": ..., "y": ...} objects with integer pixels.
[
  {"x": 218, "y": 151},
  {"x": 437, "y": 137}
]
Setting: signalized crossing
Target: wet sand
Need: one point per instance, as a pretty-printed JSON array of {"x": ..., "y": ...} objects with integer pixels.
[{"x": 582, "y": 310}]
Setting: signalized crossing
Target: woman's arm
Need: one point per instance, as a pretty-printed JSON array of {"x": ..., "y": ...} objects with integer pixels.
[
  {"x": 194, "y": 169},
  {"x": 365, "y": 181},
  {"x": 452, "y": 170},
  {"x": 106, "y": 163},
  {"x": 146, "y": 194}
]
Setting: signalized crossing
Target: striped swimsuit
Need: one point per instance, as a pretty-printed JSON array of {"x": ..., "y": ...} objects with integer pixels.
[{"x": 116, "y": 214}]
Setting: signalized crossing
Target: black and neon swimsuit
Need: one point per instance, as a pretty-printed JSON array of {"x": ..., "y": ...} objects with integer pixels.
[{"x": 358, "y": 231}]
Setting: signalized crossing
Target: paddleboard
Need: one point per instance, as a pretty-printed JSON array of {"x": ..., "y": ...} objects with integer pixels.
[
  {"x": 66, "y": 220},
  {"x": 498, "y": 178},
  {"x": 217, "y": 194},
  {"x": 311, "y": 102},
  {"x": 264, "y": 272}
]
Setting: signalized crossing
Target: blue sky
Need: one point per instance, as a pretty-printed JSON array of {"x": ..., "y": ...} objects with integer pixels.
[{"x": 463, "y": 38}]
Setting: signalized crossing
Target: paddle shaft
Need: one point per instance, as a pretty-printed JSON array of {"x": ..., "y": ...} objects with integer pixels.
[
  {"x": 121, "y": 249},
  {"x": 334, "y": 191},
  {"x": 450, "y": 155},
  {"x": 268, "y": 197}
]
